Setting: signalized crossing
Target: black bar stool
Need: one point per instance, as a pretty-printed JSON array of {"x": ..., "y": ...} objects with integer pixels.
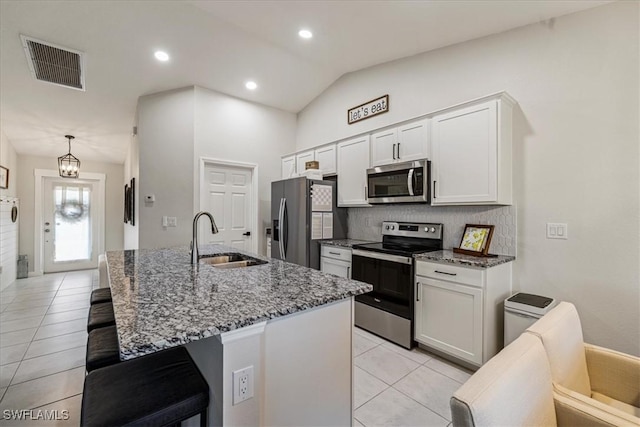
[
  {"x": 100, "y": 315},
  {"x": 103, "y": 348},
  {"x": 101, "y": 295},
  {"x": 160, "y": 389}
]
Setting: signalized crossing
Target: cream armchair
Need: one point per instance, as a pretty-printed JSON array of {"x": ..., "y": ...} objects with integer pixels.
[
  {"x": 606, "y": 380},
  {"x": 514, "y": 388}
]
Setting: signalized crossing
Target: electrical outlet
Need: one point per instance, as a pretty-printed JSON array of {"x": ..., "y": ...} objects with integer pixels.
[
  {"x": 165, "y": 221},
  {"x": 172, "y": 221},
  {"x": 557, "y": 230},
  {"x": 242, "y": 384}
]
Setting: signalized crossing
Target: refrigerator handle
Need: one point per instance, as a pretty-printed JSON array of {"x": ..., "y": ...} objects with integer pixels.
[
  {"x": 281, "y": 234},
  {"x": 285, "y": 229}
]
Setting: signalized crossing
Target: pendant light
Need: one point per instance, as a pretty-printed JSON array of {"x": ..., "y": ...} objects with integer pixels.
[{"x": 68, "y": 165}]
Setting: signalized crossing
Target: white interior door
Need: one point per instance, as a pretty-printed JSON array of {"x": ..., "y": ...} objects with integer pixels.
[
  {"x": 227, "y": 195},
  {"x": 71, "y": 224}
]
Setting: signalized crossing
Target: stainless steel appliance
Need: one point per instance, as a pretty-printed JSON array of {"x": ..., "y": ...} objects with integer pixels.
[
  {"x": 406, "y": 182},
  {"x": 292, "y": 209},
  {"x": 389, "y": 266}
]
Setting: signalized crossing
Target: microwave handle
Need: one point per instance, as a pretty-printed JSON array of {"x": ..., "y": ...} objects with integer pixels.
[{"x": 410, "y": 181}]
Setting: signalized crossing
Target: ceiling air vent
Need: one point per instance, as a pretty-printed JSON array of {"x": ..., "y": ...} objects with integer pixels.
[{"x": 54, "y": 64}]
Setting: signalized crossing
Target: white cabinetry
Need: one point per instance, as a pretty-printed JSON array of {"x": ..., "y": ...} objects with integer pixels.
[
  {"x": 459, "y": 311},
  {"x": 336, "y": 261},
  {"x": 302, "y": 158},
  {"x": 288, "y": 166},
  {"x": 353, "y": 161},
  {"x": 401, "y": 144},
  {"x": 326, "y": 156},
  {"x": 471, "y": 153}
]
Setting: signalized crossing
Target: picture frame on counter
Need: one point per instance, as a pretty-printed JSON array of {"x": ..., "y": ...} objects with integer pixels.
[
  {"x": 4, "y": 177},
  {"x": 475, "y": 240}
]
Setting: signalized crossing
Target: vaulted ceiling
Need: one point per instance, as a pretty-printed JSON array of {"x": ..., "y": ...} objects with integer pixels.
[{"x": 219, "y": 45}]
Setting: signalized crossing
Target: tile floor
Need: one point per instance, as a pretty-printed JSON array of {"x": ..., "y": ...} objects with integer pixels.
[{"x": 43, "y": 342}]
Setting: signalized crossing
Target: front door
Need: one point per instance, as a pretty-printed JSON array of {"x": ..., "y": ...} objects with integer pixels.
[
  {"x": 71, "y": 225},
  {"x": 227, "y": 195}
]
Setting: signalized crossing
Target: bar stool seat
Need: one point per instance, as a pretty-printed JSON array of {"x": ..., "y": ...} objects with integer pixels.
[
  {"x": 100, "y": 315},
  {"x": 160, "y": 389},
  {"x": 100, "y": 295},
  {"x": 102, "y": 348}
]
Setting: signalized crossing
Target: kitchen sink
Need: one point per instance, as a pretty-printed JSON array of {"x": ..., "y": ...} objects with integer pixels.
[{"x": 230, "y": 260}]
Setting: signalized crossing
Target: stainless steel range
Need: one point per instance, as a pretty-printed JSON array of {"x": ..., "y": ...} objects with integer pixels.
[{"x": 387, "y": 311}]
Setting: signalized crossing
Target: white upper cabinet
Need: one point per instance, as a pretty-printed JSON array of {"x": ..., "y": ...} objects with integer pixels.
[
  {"x": 401, "y": 144},
  {"x": 302, "y": 158},
  {"x": 288, "y": 166},
  {"x": 471, "y": 154},
  {"x": 353, "y": 161},
  {"x": 326, "y": 156}
]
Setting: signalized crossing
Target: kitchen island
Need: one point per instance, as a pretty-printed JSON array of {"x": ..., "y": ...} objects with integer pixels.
[{"x": 290, "y": 324}]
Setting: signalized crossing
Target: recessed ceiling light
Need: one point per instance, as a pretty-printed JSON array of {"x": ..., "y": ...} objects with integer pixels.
[
  {"x": 251, "y": 85},
  {"x": 161, "y": 56},
  {"x": 305, "y": 34}
]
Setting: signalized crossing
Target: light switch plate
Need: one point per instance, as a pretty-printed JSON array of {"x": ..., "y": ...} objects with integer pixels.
[{"x": 557, "y": 230}]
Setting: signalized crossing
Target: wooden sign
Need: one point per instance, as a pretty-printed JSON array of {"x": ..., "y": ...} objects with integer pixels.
[{"x": 368, "y": 109}]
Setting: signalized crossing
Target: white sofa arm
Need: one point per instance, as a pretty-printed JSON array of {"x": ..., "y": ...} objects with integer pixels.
[{"x": 576, "y": 409}]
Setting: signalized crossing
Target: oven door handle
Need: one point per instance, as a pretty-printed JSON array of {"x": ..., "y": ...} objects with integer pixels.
[
  {"x": 385, "y": 257},
  {"x": 410, "y": 181}
]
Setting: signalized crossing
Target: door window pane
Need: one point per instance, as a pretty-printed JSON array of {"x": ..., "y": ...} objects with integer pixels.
[{"x": 72, "y": 223}]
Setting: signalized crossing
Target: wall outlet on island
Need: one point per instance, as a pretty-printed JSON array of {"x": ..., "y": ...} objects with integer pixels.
[{"x": 242, "y": 384}]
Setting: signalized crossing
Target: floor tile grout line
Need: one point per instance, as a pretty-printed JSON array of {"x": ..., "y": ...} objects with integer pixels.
[
  {"x": 442, "y": 373},
  {"x": 48, "y": 375},
  {"x": 56, "y": 401},
  {"x": 48, "y": 403},
  {"x": 421, "y": 404}
]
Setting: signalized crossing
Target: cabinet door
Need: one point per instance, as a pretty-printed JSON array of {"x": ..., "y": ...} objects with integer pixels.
[
  {"x": 413, "y": 141},
  {"x": 327, "y": 158},
  {"x": 302, "y": 158},
  {"x": 464, "y": 155},
  {"x": 332, "y": 266},
  {"x": 288, "y": 166},
  {"x": 353, "y": 161},
  {"x": 383, "y": 147},
  {"x": 449, "y": 318}
]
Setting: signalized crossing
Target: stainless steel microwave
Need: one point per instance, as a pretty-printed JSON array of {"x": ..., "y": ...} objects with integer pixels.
[{"x": 406, "y": 182}]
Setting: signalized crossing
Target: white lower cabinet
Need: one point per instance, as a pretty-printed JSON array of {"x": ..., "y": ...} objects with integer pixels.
[
  {"x": 336, "y": 261},
  {"x": 459, "y": 310}
]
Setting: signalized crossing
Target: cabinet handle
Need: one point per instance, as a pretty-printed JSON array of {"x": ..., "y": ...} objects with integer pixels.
[
  {"x": 398, "y": 151},
  {"x": 348, "y": 273},
  {"x": 417, "y": 291},
  {"x": 434, "y": 189},
  {"x": 365, "y": 192},
  {"x": 334, "y": 253},
  {"x": 444, "y": 272},
  {"x": 393, "y": 151}
]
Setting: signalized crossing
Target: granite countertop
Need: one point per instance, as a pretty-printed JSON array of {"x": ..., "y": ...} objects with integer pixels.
[
  {"x": 160, "y": 300},
  {"x": 343, "y": 243},
  {"x": 448, "y": 256}
]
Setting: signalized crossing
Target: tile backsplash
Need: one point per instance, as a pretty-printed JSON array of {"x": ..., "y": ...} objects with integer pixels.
[{"x": 365, "y": 223}]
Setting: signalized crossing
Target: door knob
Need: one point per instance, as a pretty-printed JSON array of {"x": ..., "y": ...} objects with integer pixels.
[
  {"x": 46, "y": 230},
  {"x": 46, "y": 223},
  {"x": 248, "y": 233}
]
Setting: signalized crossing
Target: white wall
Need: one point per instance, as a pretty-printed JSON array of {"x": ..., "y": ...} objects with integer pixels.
[
  {"x": 176, "y": 129},
  {"x": 165, "y": 143},
  {"x": 231, "y": 129},
  {"x": 8, "y": 229},
  {"x": 132, "y": 170},
  {"x": 114, "y": 205},
  {"x": 576, "y": 148}
]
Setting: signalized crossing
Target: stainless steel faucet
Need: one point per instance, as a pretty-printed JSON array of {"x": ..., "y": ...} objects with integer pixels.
[{"x": 194, "y": 241}]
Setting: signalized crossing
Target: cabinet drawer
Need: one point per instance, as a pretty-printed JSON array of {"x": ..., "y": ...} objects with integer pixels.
[
  {"x": 452, "y": 273},
  {"x": 333, "y": 252}
]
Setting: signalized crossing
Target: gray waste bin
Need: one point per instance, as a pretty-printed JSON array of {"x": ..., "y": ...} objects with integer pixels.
[
  {"x": 23, "y": 267},
  {"x": 521, "y": 311}
]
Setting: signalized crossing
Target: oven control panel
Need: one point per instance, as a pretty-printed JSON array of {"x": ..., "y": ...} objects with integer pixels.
[{"x": 412, "y": 229}]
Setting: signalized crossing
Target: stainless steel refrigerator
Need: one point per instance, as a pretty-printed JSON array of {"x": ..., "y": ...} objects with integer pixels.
[{"x": 296, "y": 207}]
